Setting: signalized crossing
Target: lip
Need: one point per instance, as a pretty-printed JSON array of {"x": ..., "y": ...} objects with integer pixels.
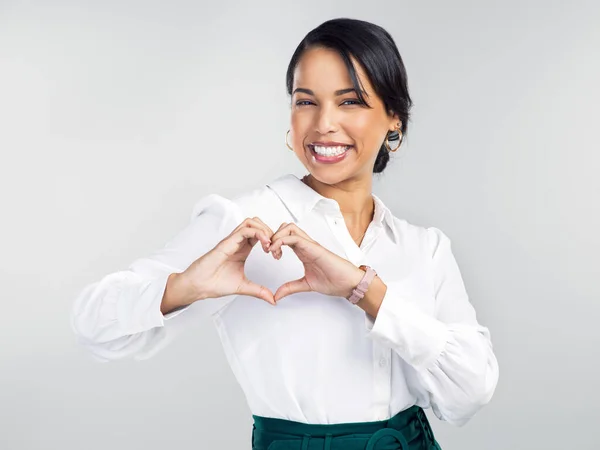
[
  {"x": 330, "y": 144},
  {"x": 321, "y": 159}
]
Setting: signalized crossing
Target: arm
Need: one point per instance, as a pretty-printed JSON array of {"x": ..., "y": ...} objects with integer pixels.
[
  {"x": 177, "y": 295},
  {"x": 136, "y": 312},
  {"x": 451, "y": 352}
]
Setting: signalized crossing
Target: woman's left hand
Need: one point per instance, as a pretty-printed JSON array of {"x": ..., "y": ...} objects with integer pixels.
[{"x": 324, "y": 271}]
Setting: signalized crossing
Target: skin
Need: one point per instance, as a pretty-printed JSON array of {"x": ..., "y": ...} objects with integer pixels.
[
  {"x": 318, "y": 115},
  {"x": 325, "y": 116}
]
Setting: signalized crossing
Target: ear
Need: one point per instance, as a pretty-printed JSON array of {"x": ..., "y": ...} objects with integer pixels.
[{"x": 394, "y": 122}]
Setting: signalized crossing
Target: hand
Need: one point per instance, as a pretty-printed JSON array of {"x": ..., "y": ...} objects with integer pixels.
[
  {"x": 220, "y": 272},
  {"x": 324, "y": 271}
]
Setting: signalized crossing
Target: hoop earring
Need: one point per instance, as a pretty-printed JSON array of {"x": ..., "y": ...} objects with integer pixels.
[
  {"x": 286, "y": 140},
  {"x": 385, "y": 142}
]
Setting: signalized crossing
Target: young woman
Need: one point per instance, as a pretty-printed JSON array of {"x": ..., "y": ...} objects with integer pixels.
[{"x": 346, "y": 321}]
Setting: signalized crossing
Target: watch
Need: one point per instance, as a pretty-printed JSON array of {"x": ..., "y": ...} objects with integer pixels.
[{"x": 359, "y": 292}]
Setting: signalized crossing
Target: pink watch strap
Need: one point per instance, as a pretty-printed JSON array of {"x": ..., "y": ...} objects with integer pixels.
[{"x": 360, "y": 290}]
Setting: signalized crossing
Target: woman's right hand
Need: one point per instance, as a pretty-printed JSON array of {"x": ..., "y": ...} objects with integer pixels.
[{"x": 220, "y": 272}]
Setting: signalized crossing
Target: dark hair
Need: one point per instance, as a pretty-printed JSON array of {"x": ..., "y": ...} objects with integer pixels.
[{"x": 376, "y": 51}]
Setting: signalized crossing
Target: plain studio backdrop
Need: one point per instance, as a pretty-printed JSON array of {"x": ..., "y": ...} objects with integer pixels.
[{"x": 116, "y": 117}]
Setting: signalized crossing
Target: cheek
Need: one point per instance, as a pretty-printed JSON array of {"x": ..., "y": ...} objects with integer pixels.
[
  {"x": 365, "y": 131},
  {"x": 300, "y": 125}
]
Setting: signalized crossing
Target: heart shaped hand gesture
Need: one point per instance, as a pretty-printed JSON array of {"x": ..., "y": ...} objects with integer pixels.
[
  {"x": 220, "y": 272},
  {"x": 324, "y": 271}
]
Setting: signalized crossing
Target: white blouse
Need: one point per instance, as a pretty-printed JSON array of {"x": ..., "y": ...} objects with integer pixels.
[{"x": 311, "y": 358}]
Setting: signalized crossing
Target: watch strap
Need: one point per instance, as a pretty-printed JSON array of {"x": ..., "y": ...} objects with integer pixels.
[{"x": 359, "y": 291}]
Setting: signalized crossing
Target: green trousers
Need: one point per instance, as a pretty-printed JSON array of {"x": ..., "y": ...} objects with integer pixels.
[{"x": 407, "y": 430}]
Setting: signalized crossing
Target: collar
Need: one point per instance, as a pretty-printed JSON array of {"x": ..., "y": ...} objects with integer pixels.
[{"x": 300, "y": 199}]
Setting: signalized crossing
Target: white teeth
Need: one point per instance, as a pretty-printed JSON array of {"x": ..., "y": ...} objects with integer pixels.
[{"x": 330, "y": 151}]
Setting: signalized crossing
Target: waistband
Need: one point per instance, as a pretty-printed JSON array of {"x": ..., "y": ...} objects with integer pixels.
[{"x": 407, "y": 430}]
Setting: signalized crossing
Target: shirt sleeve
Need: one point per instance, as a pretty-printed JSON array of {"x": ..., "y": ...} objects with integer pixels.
[
  {"x": 119, "y": 315},
  {"x": 450, "y": 351}
]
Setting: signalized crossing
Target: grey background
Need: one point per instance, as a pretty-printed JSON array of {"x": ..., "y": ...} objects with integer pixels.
[{"x": 116, "y": 117}]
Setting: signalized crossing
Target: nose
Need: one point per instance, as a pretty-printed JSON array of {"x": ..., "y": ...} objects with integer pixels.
[{"x": 326, "y": 120}]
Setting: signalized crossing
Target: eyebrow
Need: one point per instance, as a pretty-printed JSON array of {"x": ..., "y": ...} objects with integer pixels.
[{"x": 339, "y": 92}]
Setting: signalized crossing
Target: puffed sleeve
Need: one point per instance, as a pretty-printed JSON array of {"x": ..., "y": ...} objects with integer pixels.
[
  {"x": 119, "y": 315},
  {"x": 450, "y": 351}
]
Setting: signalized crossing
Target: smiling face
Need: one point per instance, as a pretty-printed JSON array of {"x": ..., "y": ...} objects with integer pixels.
[{"x": 335, "y": 136}]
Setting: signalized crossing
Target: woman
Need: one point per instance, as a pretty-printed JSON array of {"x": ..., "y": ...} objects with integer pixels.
[{"x": 364, "y": 319}]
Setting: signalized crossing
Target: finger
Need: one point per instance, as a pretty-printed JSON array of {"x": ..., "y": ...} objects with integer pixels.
[
  {"x": 281, "y": 230},
  {"x": 284, "y": 230},
  {"x": 266, "y": 227},
  {"x": 255, "y": 222},
  {"x": 256, "y": 290},
  {"x": 290, "y": 240},
  {"x": 300, "y": 232},
  {"x": 276, "y": 254},
  {"x": 269, "y": 232},
  {"x": 292, "y": 287},
  {"x": 294, "y": 242},
  {"x": 264, "y": 237},
  {"x": 246, "y": 220},
  {"x": 287, "y": 229},
  {"x": 252, "y": 235}
]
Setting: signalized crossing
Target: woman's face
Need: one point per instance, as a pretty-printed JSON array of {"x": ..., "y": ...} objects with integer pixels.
[{"x": 333, "y": 135}]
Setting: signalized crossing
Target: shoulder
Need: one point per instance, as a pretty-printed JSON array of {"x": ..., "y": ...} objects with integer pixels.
[
  {"x": 260, "y": 201},
  {"x": 429, "y": 238},
  {"x": 215, "y": 205}
]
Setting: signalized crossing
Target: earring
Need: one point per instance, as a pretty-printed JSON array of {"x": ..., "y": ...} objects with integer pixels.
[
  {"x": 385, "y": 142},
  {"x": 286, "y": 140}
]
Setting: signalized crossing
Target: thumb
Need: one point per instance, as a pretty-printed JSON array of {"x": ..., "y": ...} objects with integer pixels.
[
  {"x": 256, "y": 290},
  {"x": 292, "y": 287}
]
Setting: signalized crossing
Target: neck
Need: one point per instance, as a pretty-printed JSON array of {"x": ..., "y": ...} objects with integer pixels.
[{"x": 353, "y": 196}]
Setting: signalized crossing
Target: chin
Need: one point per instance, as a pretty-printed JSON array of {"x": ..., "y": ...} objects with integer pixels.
[{"x": 329, "y": 175}]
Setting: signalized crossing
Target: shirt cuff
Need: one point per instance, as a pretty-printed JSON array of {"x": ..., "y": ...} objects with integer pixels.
[
  {"x": 138, "y": 308},
  {"x": 402, "y": 325}
]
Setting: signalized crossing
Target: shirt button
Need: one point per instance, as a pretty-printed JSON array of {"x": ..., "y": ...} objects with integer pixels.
[{"x": 382, "y": 362}]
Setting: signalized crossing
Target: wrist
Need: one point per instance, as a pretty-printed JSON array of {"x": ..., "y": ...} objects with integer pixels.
[
  {"x": 178, "y": 292},
  {"x": 364, "y": 278},
  {"x": 373, "y": 298},
  {"x": 355, "y": 278}
]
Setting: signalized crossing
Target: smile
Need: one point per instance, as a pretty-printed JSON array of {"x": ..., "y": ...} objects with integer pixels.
[{"x": 329, "y": 154}]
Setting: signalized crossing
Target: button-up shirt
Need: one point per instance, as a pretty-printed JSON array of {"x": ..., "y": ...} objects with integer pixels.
[{"x": 312, "y": 358}]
